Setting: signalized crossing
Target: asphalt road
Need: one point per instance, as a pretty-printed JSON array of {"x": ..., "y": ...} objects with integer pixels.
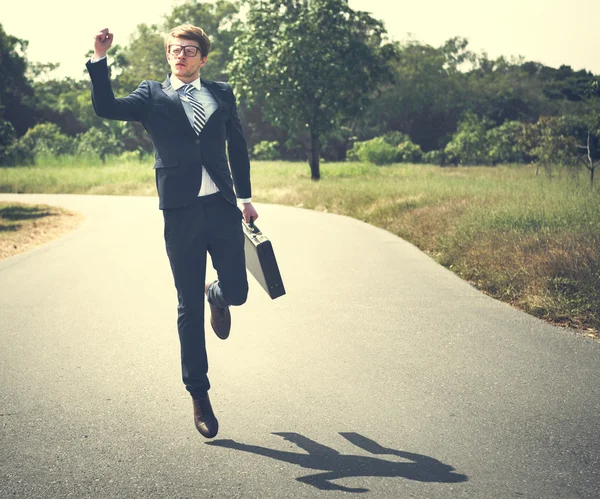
[{"x": 380, "y": 372}]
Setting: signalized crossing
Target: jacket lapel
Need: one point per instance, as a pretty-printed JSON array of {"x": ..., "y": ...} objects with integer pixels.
[
  {"x": 215, "y": 91},
  {"x": 181, "y": 116}
]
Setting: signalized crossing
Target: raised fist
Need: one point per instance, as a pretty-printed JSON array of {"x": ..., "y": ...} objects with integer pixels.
[{"x": 102, "y": 42}]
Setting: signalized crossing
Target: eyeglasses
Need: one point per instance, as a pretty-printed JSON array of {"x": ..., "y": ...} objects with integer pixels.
[{"x": 188, "y": 50}]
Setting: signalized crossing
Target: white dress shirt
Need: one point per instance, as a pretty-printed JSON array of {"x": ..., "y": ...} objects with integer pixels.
[{"x": 210, "y": 106}]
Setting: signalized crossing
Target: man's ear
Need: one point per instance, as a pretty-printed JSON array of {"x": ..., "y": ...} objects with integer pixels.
[{"x": 203, "y": 61}]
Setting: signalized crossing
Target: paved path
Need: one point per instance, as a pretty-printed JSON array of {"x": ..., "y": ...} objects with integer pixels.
[{"x": 380, "y": 372}]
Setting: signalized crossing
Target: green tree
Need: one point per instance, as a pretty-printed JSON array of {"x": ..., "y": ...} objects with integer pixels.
[
  {"x": 99, "y": 142},
  {"x": 46, "y": 138},
  {"x": 314, "y": 62},
  {"x": 504, "y": 144},
  {"x": 501, "y": 90},
  {"x": 427, "y": 95},
  {"x": 8, "y": 136},
  {"x": 469, "y": 144},
  {"x": 16, "y": 105},
  {"x": 584, "y": 125},
  {"x": 549, "y": 142}
]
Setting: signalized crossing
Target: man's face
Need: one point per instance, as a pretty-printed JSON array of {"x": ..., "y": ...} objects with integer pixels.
[{"x": 186, "y": 68}]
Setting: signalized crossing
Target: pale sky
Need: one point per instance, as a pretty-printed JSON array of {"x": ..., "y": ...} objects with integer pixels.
[{"x": 552, "y": 32}]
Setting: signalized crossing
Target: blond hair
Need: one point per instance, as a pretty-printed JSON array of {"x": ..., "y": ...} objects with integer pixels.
[{"x": 190, "y": 32}]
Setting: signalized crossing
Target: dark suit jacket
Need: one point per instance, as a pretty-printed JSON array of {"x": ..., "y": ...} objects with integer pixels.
[{"x": 179, "y": 152}]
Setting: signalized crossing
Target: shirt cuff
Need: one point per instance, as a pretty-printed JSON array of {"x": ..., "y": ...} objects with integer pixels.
[
  {"x": 245, "y": 200},
  {"x": 94, "y": 61}
]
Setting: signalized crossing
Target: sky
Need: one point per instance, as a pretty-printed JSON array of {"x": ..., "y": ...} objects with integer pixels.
[{"x": 553, "y": 32}]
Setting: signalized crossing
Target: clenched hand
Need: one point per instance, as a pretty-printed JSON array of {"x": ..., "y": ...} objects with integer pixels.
[{"x": 102, "y": 42}]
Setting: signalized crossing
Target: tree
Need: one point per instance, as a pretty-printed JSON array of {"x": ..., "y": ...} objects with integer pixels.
[
  {"x": 16, "y": 105},
  {"x": 427, "y": 95},
  {"x": 314, "y": 62},
  {"x": 504, "y": 145},
  {"x": 99, "y": 142},
  {"x": 469, "y": 144},
  {"x": 549, "y": 142},
  {"x": 584, "y": 125},
  {"x": 46, "y": 138}
]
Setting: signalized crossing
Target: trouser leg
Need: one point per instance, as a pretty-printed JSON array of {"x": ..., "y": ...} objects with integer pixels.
[
  {"x": 186, "y": 243},
  {"x": 226, "y": 248}
]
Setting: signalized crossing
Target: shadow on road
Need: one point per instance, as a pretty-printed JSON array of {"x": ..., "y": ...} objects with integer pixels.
[
  {"x": 336, "y": 466},
  {"x": 19, "y": 212}
]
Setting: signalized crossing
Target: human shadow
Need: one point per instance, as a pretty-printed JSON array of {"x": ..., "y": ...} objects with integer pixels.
[{"x": 336, "y": 466}]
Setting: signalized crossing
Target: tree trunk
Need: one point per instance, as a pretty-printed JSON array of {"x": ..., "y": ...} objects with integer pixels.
[
  {"x": 315, "y": 150},
  {"x": 592, "y": 170}
]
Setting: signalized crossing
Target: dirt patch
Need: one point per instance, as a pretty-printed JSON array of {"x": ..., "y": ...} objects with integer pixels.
[{"x": 25, "y": 226}]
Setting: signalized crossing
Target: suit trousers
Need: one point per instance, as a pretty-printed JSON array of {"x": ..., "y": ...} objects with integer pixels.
[{"x": 211, "y": 224}]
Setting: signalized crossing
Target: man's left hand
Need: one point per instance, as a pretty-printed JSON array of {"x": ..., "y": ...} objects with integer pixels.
[{"x": 249, "y": 211}]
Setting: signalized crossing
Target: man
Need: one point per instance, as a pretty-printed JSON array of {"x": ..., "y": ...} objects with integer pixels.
[{"x": 190, "y": 120}]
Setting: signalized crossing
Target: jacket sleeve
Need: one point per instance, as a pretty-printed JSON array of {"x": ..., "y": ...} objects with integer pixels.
[
  {"x": 130, "y": 108},
  {"x": 237, "y": 150}
]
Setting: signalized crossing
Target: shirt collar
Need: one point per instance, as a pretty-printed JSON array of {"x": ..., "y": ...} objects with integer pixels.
[{"x": 176, "y": 83}]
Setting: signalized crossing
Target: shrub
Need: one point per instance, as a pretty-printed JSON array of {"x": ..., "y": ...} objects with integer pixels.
[
  {"x": 131, "y": 156},
  {"x": 376, "y": 151},
  {"x": 45, "y": 138},
  {"x": 9, "y": 154},
  {"x": 98, "y": 142},
  {"x": 433, "y": 157},
  {"x": 504, "y": 144},
  {"x": 408, "y": 152},
  {"x": 395, "y": 138},
  {"x": 469, "y": 143},
  {"x": 266, "y": 150}
]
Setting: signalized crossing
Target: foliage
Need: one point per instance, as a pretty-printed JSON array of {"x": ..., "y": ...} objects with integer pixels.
[
  {"x": 395, "y": 138},
  {"x": 468, "y": 145},
  {"x": 314, "y": 75},
  {"x": 314, "y": 62},
  {"x": 407, "y": 152},
  {"x": 585, "y": 128},
  {"x": 376, "y": 151},
  {"x": 549, "y": 142},
  {"x": 7, "y": 138},
  {"x": 504, "y": 143},
  {"x": 46, "y": 138},
  {"x": 392, "y": 147},
  {"x": 426, "y": 96},
  {"x": 99, "y": 142},
  {"x": 16, "y": 104},
  {"x": 266, "y": 150},
  {"x": 434, "y": 157}
]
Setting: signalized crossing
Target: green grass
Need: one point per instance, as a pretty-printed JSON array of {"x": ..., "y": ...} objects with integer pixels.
[{"x": 531, "y": 241}]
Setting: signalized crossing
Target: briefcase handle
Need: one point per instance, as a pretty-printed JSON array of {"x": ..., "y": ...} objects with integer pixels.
[{"x": 253, "y": 228}]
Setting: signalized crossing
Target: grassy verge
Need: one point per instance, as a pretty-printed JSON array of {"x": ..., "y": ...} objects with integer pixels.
[
  {"x": 530, "y": 241},
  {"x": 23, "y": 226}
]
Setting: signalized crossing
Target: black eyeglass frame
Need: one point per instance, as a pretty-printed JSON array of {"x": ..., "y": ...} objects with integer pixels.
[{"x": 185, "y": 50}]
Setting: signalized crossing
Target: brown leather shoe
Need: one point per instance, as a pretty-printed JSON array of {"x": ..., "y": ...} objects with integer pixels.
[
  {"x": 220, "y": 319},
  {"x": 204, "y": 417}
]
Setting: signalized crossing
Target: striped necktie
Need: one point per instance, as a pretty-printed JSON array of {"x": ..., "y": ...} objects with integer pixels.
[{"x": 199, "y": 114}]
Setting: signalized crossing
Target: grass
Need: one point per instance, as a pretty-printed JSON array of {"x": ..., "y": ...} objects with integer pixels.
[
  {"x": 24, "y": 226},
  {"x": 531, "y": 241}
]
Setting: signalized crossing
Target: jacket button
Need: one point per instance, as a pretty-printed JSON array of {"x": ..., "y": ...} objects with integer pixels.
[{"x": 197, "y": 141}]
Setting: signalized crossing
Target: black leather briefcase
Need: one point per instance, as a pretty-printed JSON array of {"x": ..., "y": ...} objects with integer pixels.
[{"x": 260, "y": 260}]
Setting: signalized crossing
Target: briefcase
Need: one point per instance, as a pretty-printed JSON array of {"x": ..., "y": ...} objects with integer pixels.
[{"x": 260, "y": 260}]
